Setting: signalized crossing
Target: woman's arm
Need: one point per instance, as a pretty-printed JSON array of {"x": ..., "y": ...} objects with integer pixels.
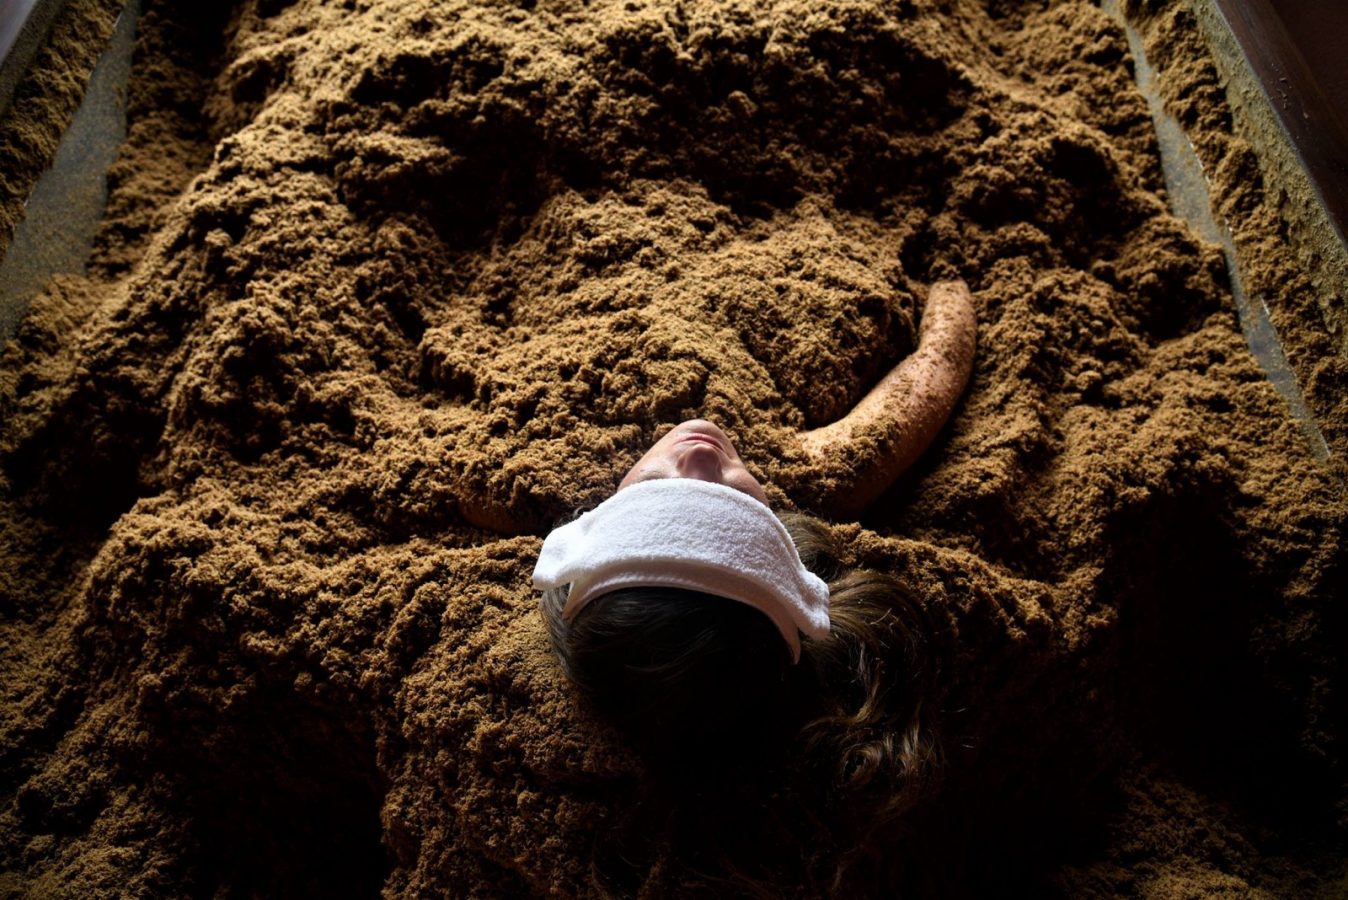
[{"x": 886, "y": 432}]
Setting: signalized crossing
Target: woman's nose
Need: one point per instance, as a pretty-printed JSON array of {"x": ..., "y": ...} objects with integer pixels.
[{"x": 700, "y": 461}]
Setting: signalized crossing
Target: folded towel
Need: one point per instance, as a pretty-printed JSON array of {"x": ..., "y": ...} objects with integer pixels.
[{"x": 691, "y": 534}]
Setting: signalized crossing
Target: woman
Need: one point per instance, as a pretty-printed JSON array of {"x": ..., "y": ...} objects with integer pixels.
[{"x": 699, "y": 621}]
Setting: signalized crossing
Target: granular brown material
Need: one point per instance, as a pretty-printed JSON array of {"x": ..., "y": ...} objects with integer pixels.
[
  {"x": 1194, "y": 95},
  {"x": 44, "y": 100},
  {"x": 378, "y": 275}
]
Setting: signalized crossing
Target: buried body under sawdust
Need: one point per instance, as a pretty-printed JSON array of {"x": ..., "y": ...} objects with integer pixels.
[{"x": 437, "y": 264}]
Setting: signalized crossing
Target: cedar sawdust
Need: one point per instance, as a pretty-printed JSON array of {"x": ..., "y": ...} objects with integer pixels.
[{"x": 387, "y": 288}]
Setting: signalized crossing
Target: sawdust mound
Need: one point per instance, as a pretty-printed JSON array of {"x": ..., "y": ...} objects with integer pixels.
[{"x": 374, "y": 272}]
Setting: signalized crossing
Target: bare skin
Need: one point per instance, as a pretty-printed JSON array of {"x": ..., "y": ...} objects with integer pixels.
[
  {"x": 696, "y": 449},
  {"x": 865, "y": 451}
]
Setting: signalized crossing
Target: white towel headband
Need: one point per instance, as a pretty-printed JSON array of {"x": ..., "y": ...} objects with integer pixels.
[{"x": 691, "y": 534}]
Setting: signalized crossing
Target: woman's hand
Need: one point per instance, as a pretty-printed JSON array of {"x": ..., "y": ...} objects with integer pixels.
[{"x": 861, "y": 454}]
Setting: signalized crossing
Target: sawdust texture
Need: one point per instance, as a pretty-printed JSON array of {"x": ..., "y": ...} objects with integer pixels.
[
  {"x": 1256, "y": 215},
  {"x": 387, "y": 288},
  {"x": 44, "y": 100}
]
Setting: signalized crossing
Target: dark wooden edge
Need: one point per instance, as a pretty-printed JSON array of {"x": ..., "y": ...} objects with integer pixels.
[{"x": 1298, "y": 50}]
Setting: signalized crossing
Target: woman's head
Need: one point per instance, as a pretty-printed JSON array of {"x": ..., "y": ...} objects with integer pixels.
[
  {"x": 679, "y": 604},
  {"x": 693, "y": 535}
]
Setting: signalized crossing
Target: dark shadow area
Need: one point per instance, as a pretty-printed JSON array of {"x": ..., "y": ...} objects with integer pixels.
[
  {"x": 280, "y": 799},
  {"x": 1201, "y": 699}
]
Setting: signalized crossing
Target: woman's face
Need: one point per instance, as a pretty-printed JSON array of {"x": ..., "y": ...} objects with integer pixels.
[{"x": 696, "y": 449}]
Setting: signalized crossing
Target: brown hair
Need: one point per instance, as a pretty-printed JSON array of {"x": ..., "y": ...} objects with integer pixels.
[{"x": 706, "y": 686}]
